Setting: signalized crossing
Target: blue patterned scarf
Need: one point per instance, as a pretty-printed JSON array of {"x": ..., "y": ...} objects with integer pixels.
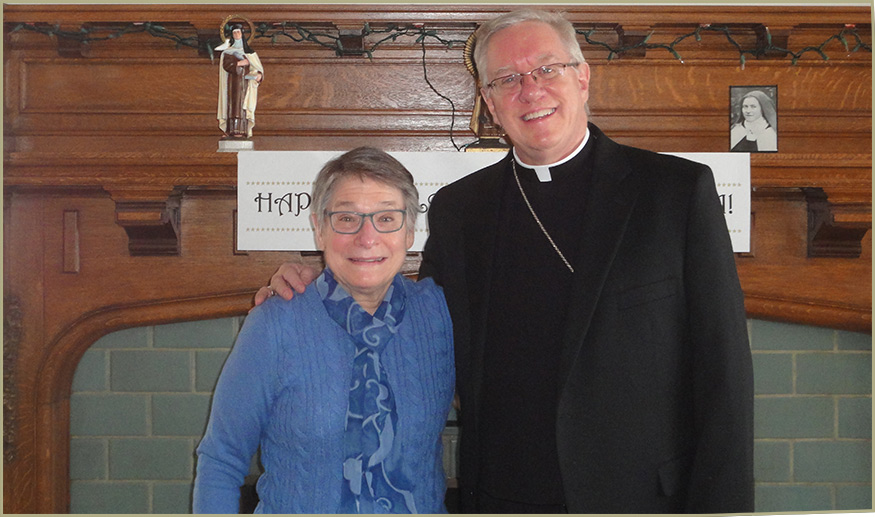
[{"x": 371, "y": 483}]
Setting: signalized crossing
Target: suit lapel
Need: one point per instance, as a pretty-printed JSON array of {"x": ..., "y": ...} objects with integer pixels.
[{"x": 614, "y": 192}]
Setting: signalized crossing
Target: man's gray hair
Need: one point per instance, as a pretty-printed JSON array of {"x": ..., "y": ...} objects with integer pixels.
[
  {"x": 362, "y": 163},
  {"x": 563, "y": 29}
]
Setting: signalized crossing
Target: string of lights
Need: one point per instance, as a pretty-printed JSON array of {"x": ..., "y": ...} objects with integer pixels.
[
  {"x": 766, "y": 47},
  {"x": 88, "y": 35},
  {"x": 298, "y": 33}
]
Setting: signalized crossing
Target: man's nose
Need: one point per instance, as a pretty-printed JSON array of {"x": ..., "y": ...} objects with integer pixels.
[{"x": 529, "y": 86}]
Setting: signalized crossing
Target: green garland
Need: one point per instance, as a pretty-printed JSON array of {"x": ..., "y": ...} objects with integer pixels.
[
  {"x": 84, "y": 35},
  {"x": 299, "y": 33},
  {"x": 767, "y": 47}
]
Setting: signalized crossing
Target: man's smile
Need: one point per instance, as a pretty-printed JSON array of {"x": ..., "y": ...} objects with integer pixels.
[{"x": 538, "y": 114}]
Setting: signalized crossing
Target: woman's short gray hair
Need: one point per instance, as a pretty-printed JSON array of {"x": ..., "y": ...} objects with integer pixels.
[
  {"x": 563, "y": 29},
  {"x": 361, "y": 163}
]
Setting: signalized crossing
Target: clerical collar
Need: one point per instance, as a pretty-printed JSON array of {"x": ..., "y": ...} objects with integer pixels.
[{"x": 543, "y": 171}]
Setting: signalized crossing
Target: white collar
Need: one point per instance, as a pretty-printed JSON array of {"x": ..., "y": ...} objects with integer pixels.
[{"x": 543, "y": 171}]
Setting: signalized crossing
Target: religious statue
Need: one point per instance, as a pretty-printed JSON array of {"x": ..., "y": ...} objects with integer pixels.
[{"x": 240, "y": 73}]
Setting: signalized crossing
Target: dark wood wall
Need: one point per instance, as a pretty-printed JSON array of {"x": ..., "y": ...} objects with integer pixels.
[{"x": 119, "y": 212}]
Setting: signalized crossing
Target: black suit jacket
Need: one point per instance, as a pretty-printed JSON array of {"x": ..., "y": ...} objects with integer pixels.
[{"x": 655, "y": 410}]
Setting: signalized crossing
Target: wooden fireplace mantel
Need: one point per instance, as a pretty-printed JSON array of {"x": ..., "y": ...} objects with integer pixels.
[{"x": 119, "y": 212}]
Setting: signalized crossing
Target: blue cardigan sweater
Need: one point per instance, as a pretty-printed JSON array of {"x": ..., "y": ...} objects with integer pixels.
[{"x": 285, "y": 388}]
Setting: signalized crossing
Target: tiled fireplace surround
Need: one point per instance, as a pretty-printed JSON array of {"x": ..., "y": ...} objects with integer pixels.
[{"x": 141, "y": 399}]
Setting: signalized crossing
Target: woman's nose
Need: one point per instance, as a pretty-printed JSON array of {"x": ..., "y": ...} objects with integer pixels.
[{"x": 367, "y": 236}]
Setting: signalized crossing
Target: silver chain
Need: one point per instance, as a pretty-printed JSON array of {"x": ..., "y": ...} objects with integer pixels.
[{"x": 537, "y": 220}]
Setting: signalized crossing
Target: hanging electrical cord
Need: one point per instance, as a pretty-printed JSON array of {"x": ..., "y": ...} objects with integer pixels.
[{"x": 442, "y": 96}]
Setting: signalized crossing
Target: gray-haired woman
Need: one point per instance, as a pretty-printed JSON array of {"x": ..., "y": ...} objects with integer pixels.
[{"x": 346, "y": 388}]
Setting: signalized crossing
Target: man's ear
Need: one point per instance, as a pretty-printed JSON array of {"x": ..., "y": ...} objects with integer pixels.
[{"x": 583, "y": 76}]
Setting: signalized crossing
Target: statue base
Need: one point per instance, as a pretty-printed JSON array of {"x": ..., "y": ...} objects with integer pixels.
[{"x": 233, "y": 145}]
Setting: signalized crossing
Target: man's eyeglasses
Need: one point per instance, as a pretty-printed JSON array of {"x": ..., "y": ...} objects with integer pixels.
[
  {"x": 541, "y": 75},
  {"x": 384, "y": 221}
]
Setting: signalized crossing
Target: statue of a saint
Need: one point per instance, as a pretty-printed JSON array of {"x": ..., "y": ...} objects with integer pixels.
[{"x": 240, "y": 73}]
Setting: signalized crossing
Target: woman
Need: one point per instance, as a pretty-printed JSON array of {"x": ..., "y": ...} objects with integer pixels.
[
  {"x": 756, "y": 123},
  {"x": 346, "y": 388}
]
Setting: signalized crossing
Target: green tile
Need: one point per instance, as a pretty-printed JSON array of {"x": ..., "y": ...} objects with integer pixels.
[
  {"x": 108, "y": 415},
  {"x": 769, "y": 335},
  {"x": 180, "y": 415},
  {"x": 137, "y": 337},
  {"x": 771, "y": 461},
  {"x": 794, "y": 417},
  {"x": 854, "y": 340},
  {"x": 217, "y": 333},
  {"x": 88, "y": 458},
  {"x": 792, "y": 498},
  {"x": 171, "y": 498},
  {"x": 151, "y": 458},
  {"x": 834, "y": 373},
  {"x": 91, "y": 371},
  {"x": 108, "y": 497},
  {"x": 208, "y": 366},
  {"x": 150, "y": 370},
  {"x": 833, "y": 461},
  {"x": 853, "y": 497},
  {"x": 855, "y": 417},
  {"x": 772, "y": 373}
]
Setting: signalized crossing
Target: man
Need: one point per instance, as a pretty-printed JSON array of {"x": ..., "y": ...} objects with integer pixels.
[{"x": 602, "y": 359}]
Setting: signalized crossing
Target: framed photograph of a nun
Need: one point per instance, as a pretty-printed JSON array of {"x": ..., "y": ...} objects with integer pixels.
[{"x": 753, "y": 126}]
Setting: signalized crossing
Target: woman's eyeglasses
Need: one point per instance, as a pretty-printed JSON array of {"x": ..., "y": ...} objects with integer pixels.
[{"x": 384, "y": 221}]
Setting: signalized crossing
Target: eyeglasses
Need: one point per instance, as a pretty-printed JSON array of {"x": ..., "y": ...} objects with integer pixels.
[
  {"x": 384, "y": 221},
  {"x": 542, "y": 75}
]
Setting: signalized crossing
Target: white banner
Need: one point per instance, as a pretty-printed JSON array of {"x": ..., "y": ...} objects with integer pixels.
[
  {"x": 273, "y": 192},
  {"x": 732, "y": 176}
]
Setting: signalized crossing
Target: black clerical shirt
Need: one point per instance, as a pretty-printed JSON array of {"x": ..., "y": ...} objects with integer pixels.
[{"x": 527, "y": 313}]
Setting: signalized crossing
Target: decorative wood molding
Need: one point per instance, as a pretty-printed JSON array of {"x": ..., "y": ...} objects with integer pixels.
[
  {"x": 207, "y": 38},
  {"x": 12, "y": 317},
  {"x": 205, "y": 14},
  {"x": 351, "y": 40},
  {"x": 53, "y": 386},
  {"x": 70, "y": 47},
  {"x": 776, "y": 36},
  {"x": 836, "y": 227},
  {"x": 633, "y": 37},
  {"x": 150, "y": 217},
  {"x": 855, "y": 319}
]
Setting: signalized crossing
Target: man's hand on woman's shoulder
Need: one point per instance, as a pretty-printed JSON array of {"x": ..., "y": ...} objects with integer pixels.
[{"x": 291, "y": 277}]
